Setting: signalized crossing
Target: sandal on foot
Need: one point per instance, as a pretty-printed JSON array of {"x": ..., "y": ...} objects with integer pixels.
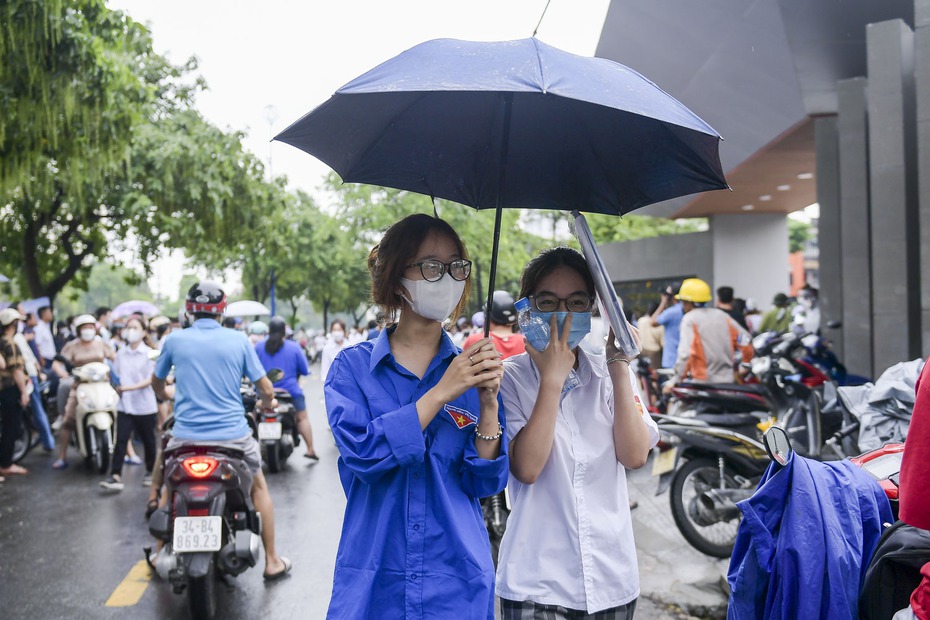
[
  {"x": 312, "y": 457},
  {"x": 288, "y": 565},
  {"x": 60, "y": 464}
]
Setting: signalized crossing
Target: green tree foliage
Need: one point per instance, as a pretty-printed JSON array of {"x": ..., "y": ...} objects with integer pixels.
[
  {"x": 799, "y": 233},
  {"x": 140, "y": 171},
  {"x": 607, "y": 228}
]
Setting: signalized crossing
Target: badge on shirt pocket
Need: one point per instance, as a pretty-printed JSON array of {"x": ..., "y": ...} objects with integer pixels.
[{"x": 460, "y": 417}]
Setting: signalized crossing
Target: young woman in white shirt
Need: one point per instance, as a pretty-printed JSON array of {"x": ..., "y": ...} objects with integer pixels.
[{"x": 568, "y": 551}]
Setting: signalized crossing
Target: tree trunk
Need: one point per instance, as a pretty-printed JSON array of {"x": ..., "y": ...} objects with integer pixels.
[{"x": 325, "y": 315}]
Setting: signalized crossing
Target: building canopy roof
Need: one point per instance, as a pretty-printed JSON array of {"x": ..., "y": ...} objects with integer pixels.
[{"x": 758, "y": 71}]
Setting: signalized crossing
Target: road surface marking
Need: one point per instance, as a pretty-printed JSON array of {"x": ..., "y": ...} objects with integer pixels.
[{"x": 131, "y": 589}]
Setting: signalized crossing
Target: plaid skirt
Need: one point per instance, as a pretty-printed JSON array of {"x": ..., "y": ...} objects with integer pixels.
[{"x": 528, "y": 610}]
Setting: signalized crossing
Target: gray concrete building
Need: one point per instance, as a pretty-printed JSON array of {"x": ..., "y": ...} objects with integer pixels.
[{"x": 825, "y": 101}]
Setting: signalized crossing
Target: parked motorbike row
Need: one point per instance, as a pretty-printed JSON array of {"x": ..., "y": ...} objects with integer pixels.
[{"x": 711, "y": 455}]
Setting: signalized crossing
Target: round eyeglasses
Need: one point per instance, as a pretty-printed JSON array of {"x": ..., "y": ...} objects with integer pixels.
[
  {"x": 577, "y": 302},
  {"x": 433, "y": 270}
]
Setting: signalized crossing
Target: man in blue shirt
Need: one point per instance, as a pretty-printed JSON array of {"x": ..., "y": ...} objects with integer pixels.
[
  {"x": 209, "y": 364},
  {"x": 669, "y": 315}
]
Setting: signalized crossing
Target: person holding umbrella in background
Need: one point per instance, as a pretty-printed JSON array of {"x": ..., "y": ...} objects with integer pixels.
[{"x": 419, "y": 428}]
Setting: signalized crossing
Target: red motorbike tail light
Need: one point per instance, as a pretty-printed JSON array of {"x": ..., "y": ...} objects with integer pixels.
[{"x": 200, "y": 466}]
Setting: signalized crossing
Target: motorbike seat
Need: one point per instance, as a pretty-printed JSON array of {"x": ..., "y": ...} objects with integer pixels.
[
  {"x": 750, "y": 388},
  {"x": 730, "y": 420}
]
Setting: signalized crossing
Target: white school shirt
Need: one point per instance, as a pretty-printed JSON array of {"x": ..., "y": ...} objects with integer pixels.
[
  {"x": 569, "y": 537},
  {"x": 133, "y": 366}
]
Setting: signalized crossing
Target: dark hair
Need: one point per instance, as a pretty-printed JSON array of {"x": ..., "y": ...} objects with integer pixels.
[
  {"x": 338, "y": 322},
  {"x": 146, "y": 338},
  {"x": 388, "y": 260},
  {"x": 99, "y": 312},
  {"x": 277, "y": 328},
  {"x": 547, "y": 261},
  {"x": 41, "y": 310},
  {"x": 229, "y": 321},
  {"x": 725, "y": 294},
  {"x": 372, "y": 324},
  {"x": 653, "y": 307},
  {"x": 739, "y": 304}
]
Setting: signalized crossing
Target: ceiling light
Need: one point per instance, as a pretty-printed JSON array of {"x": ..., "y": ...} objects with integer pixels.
[
  {"x": 747, "y": 207},
  {"x": 783, "y": 188},
  {"x": 765, "y": 198},
  {"x": 806, "y": 175}
]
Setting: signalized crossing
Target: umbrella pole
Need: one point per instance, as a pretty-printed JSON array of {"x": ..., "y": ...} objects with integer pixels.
[
  {"x": 497, "y": 239},
  {"x": 505, "y": 147}
]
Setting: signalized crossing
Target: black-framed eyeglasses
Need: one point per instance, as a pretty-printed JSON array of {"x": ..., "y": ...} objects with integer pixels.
[
  {"x": 433, "y": 270},
  {"x": 576, "y": 302}
]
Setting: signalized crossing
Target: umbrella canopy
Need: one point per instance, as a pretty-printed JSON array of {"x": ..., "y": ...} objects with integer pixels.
[
  {"x": 512, "y": 124},
  {"x": 247, "y": 308},
  {"x": 136, "y": 306}
]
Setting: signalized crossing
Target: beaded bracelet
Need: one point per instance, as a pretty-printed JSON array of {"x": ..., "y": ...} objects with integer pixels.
[
  {"x": 618, "y": 359},
  {"x": 500, "y": 433}
]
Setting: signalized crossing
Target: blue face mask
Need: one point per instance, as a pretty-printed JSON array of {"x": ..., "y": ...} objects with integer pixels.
[{"x": 581, "y": 326}]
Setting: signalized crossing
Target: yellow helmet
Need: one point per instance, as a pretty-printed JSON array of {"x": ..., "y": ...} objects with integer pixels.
[{"x": 694, "y": 290}]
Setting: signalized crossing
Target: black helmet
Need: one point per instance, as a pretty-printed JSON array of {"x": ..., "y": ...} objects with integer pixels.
[
  {"x": 503, "y": 311},
  {"x": 206, "y": 297},
  {"x": 277, "y": 325}
]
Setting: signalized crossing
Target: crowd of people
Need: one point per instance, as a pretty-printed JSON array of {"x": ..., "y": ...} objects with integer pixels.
[{"x": 429, "y": 415}]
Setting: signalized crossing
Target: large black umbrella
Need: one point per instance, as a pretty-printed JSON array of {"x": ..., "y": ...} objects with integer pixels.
[{"x": 512, "y": 124}]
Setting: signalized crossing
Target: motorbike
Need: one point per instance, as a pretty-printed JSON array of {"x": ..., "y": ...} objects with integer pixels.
[
  {"x": 277, "y": 431},
  {"x": 710, "y": 460},
  {"x": 95, "y": 415},
  {"x": 210, "y": 528},
  {"x": 28, "y": 437}
]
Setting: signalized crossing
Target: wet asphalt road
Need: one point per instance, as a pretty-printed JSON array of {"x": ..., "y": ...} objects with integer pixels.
[{"x": 67, "y": 547}]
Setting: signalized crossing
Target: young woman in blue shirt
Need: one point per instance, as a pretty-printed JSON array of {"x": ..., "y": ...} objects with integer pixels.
[{"x": 419, "y": 428}]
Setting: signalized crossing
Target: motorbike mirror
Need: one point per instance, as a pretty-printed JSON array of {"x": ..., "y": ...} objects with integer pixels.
[
  {"x": 275, "y": 374},
  {"x": 834, "y": 324},
  {"x": 777, "y": 445}
]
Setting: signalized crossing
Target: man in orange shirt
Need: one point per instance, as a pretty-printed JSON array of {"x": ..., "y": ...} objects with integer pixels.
[{"x": 503, "y": 317}]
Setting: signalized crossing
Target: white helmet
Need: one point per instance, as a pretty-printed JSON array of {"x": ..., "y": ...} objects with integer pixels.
[{"x": 85, "y": 319}]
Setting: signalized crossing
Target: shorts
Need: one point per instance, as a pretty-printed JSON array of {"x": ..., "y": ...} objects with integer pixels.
[
  {"x": 248, "y": 445},
  {"x": 528, "y": 610},
  {"x": 300, "y": 402}
]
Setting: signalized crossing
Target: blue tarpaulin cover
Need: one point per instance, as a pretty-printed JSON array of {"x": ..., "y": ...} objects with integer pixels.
[{"x": 805, "y": 542}]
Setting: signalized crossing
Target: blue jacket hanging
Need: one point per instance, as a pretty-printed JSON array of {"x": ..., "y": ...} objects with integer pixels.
[{"x": 805, "y": 541}]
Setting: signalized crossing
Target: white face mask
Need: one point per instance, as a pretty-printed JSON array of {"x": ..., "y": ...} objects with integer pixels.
[
  {"x": 434, "y": 300},
  {"x": 88, "y": 334},
  {"x": 339, "y": 336},
  {"x": 132, "y": 335}
]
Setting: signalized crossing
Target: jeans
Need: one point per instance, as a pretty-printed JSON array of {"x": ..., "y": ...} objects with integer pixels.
[{"x": 40, "y": 417}]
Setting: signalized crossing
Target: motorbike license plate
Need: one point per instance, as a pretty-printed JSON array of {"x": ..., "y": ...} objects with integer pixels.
[
  {"x": 269, "y": 430},
  {"x": 197, "y": 534},
  {"x": 664, "y": 462}
]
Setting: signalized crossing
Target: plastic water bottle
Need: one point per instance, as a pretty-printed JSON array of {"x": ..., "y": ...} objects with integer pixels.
[{"x": 536, "y": 330}]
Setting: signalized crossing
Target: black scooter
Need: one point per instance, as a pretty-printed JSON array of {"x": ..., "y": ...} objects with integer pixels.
[{"x": 210, "y": 526}]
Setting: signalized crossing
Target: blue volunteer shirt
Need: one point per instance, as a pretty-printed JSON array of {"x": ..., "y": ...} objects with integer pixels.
[
  {"x": 414, "y": 543},
  {"x": 209, "y": 362},
  {"x": 291, "y": 359},
  {"x": 670, "y": 319}
]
